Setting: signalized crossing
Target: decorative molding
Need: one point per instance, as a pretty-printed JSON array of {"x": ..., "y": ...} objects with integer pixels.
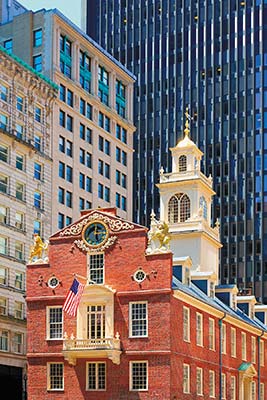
[
  {"x": 82, "y": 245},
  {"x": 114, "y": 225}
]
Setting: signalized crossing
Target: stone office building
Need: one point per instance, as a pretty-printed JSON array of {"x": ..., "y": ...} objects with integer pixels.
[{"x": 26, "y": 104}]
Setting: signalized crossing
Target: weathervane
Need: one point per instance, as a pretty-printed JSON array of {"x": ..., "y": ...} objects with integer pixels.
[{"x": 188, "y": 118}]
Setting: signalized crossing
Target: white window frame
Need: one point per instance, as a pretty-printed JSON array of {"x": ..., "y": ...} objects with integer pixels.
[
  {"x": 49, "y": 323},
  {"x": 97, "y": 389},
  {"x": 19, "y": 250},
  {"x": 19, "y": 280},
  {"x": 131, "y": 335},
  {"x": 262, "y": 391},
  {"x": 96, "y": 313},
  {"x": 5, "y": 336},
  {"x": 17, "y": 345},
  {"x": 232, "y": 387},
  {"x": 145, "y": 362},
  {"x": 233, "y": 342},
  {"x": 253, "y": 390},
  {"x": 4, "y": 214},
  {"x": 4, "y": 182},
  {"x": 96, "y": 269},
  {"x": 4, "y": 276},
  {"x": 19, "y": 220},
  {"x": 3, "y": 305},
  {"x": 199, "y": 329},
  {"x": 186, "y": 324},
  {"x": 212, "y": 384},
  {"x": 211, "y": 334},
  {"x": 223, "y": 385},
  {"x": 6, "y": 245},
  {"x": 243, "y": 346},
  {"x": 18, "y": 309},
  {"x": 5, "y": 153},
  {"x": 262, "y": 353},
  {"x": 223, "y": 338},
  {"x": 199, "y": 381},
  {"x": 22, "y": 161},
  {"x": 49, "y": 386},
  {"x": 186, "y": 378},
  {"x": 253, "y": 350}
]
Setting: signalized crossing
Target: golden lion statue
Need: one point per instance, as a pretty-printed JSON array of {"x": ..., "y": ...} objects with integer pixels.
[
  {"x": 162, "y": 234},
  {"x": 38, "y": 247}
]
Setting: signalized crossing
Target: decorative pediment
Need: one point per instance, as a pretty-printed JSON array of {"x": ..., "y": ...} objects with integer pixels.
[
  {"x": 96, "y": 230},
  {"x": 247, "y": 369},
  {"x": 114, "y": 224}
]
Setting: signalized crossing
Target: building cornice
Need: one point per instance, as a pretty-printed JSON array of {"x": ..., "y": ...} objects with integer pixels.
[
  {"x": 144, "y": 292},
  {"x": 15, "y": 62},
  {"x": 185, "y": 298}
]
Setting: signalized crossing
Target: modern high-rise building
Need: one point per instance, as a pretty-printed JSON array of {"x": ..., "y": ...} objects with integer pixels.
[{"x": 212, "y": 56}]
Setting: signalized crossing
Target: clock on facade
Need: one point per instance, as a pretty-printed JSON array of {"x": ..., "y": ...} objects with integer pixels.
[{"x": 95, "y": 234}]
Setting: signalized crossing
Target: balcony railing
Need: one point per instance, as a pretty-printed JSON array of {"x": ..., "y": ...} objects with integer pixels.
[
  {"x": 90, "y": 348},
  {"x": 181, "y": 176}
]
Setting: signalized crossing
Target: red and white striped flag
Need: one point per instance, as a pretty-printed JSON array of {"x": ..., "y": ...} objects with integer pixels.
[{"x": 73, "y": 298}]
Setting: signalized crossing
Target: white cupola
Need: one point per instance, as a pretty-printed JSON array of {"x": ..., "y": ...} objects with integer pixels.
[{"x": 185, "y": 205}]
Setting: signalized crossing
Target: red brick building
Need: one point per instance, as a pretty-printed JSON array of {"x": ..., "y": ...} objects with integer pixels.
[
  {"x": 139, "y": 333},
  {"x": 150, "y": 324}
]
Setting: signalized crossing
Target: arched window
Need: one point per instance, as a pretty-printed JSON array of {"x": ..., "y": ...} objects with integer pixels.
[
  {"x": 203, "y": 205},
  {"x": 178, "y": 208},
  {"x": 182, "y": 164},
  {"x": 173, "y": 210},
  {"x": 184, "y": 208}
]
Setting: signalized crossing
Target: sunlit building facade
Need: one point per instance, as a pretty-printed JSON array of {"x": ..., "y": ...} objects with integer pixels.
[
  {"x": 26, "y": 100},
  {"x": 93, "y": 128}
]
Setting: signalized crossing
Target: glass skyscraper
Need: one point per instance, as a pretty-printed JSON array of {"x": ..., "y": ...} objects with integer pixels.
[{"x": 212, "y": 56}]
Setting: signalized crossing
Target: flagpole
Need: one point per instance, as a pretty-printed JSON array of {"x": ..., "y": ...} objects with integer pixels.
[{"x": 79, "y": 276}]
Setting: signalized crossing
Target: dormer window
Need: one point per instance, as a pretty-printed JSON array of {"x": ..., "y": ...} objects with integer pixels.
[
  {"x": 182, "y": 163},
  {"x": 179, "y": 208},
  {"x": 203, "y": 205}
]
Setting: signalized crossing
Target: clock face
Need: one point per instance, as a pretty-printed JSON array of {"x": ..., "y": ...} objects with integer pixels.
[{"x": 95, "y": 234}]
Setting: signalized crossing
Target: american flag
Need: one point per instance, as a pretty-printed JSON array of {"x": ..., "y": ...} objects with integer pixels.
[{"x": 73, "y": 298}]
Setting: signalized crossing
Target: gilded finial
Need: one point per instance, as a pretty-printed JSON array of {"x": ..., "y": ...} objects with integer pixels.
[{"x": 187, "y": 116}]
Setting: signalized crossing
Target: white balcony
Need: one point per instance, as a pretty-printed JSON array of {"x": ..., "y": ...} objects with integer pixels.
[
  {"x": 92, "y": 348},
  {"x": 185, "y": 175}
]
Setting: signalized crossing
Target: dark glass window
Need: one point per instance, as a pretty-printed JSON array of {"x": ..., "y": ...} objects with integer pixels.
[
  {"x": 37, "y": 62},
  {"x": 37, "y": 38}
]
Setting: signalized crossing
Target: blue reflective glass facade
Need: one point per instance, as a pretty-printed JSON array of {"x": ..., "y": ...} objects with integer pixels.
[{"x": 212, "y": 56}]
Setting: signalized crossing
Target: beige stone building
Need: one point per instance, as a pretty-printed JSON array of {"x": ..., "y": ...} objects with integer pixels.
[
  {"x": 93, "y": 128},
  {"x": 26, "y": 104}
]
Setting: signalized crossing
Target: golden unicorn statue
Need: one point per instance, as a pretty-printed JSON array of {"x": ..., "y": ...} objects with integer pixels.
[{"x": 38, "y": 247}]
